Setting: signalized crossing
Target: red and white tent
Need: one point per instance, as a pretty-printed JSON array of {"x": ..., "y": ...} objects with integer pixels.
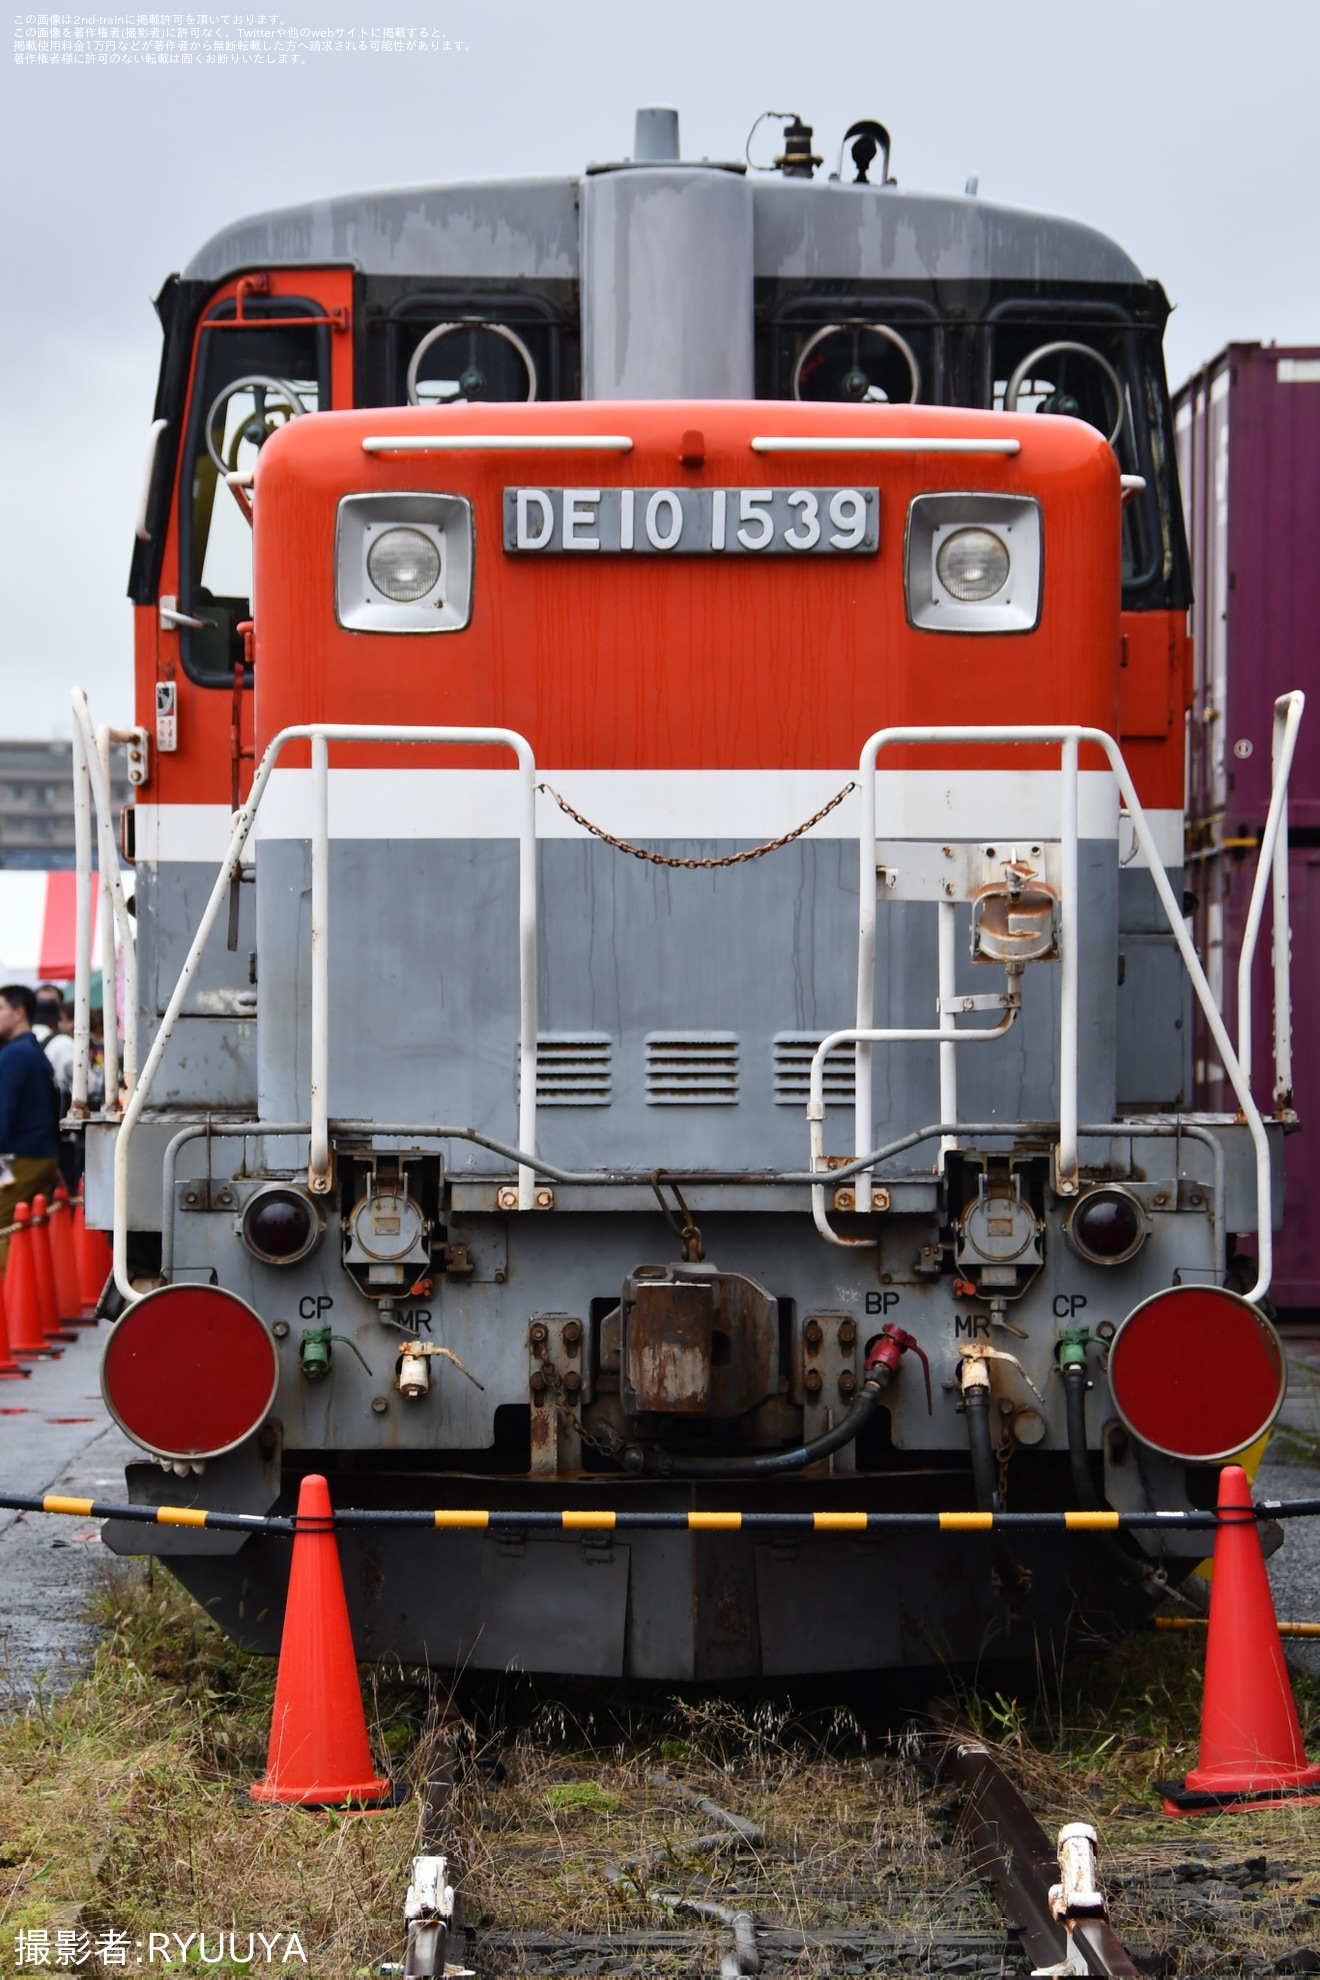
[{"x": 37, "y": 927}]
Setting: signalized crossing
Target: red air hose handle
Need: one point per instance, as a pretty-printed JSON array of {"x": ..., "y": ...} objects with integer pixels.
[{"x": 888, "y": 1349}]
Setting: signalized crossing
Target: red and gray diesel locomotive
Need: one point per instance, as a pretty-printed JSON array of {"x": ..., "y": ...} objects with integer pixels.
[{"x": 662, "y": 979}]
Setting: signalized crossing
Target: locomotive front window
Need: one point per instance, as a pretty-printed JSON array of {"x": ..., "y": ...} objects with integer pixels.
[
  {"x": 447, "y": 350},
  {"x": 248, "y": 383},
  {"x": 854, "y": 350}
]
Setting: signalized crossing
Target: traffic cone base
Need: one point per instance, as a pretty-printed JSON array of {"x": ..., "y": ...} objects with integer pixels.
[
  {"x": 319, "y": 1756},
  {"x": 1251, "y": 1742},
  {"x": 9, "y": 1368},
  {"x": 1188, "y": 1803}
]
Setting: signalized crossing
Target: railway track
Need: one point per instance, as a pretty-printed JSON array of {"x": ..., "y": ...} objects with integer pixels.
[{"x": 737, "y": 1858}]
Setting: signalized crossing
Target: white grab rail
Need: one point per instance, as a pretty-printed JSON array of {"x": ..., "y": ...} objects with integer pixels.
[
  {"x": 91, "y": 751},
  {"x": 1067, "y": 737},
  {"x": 320, "y": 735},
  {"x": 1272, "y": 861}
]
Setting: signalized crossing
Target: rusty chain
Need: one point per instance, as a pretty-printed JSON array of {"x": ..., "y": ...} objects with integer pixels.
[{"x": 729, "y": 859}]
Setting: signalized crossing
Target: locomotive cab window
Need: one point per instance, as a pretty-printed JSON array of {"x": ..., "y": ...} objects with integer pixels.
[
  {"x": 1094, "y": 373},
  {"x": 452, "y": 350},
  {"x": 856, "y": 350},
  {"x": 248, "y": 383}
]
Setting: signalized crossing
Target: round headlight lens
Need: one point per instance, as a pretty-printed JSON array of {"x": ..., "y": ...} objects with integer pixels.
[
  {"x": 404, "y": 564},
  {"x": 1107, "y": 1227},
  {"x": 280, "y": 1226},
  {"x": 972, "y": 565}
]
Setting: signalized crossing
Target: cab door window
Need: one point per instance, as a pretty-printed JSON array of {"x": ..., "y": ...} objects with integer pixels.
[{"x": 249, "y": 380}]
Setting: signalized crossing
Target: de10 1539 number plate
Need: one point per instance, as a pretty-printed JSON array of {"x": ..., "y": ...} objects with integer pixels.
[{"x": 789, "y": 522}]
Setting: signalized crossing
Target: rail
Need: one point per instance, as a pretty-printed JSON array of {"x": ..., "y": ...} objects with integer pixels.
[
  {"x": 320, "y": 735},
  {"x": 1175, "y": 1130},
  {"x": 1068, "y": 738},
  {"x": 1272, "y": 863},
  {"x": 91, "y": 792},
  {"x": 453, "y": 1519}
]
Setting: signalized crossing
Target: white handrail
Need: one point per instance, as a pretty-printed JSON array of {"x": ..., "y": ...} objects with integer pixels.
[
  {"x": 1058, "y": 734},
  {"x": 82, "y": 927},
  {"x": 114, "y": 906},
  {"x": 244, "y": 818},
  {"x": 1272, "y": 864},
  {"x": 318, "y": 1153},
  {"x": 1069, "y": 972},
  {"x": 947, "y": 1037},
  {"x": 106, "y": 924}
]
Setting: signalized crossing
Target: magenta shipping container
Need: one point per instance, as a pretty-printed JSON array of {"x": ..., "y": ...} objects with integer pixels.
[{"x": 1248, "y": 440}]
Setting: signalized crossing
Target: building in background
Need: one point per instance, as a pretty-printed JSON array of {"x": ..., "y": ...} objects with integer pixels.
[{"x": 36, "y": 803}]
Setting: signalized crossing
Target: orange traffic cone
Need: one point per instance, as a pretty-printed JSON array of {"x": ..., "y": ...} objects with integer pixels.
[
  {"x": 93, "y": 1251},
  {"x": 318, "y": 1755},
  {"x": 1251, "y": 1743},
  {"x": 9, "y": 1368},
  {"x": 26, "y": 1339},
  {"x": 59, "y": 1227},
  {"x": 47, "y": 1304}
]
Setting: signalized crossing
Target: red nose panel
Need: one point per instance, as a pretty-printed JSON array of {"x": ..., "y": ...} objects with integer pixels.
[
  {"x": 189, "y": 1371},
  {"x": 1197, "y": 1372}
]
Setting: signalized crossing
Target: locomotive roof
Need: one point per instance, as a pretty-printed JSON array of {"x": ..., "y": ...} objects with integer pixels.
[{"x": 528, "y": 229}]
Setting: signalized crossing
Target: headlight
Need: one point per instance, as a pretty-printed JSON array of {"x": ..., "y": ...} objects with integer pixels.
[
  {"x": 280, "y": 1224},
  {"x": 972, "y": 564},
  {"x": 404, "y": 564},
  {"x": 1107, "y": 1226}
]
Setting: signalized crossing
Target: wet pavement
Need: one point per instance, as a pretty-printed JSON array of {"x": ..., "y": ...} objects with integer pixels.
[
  {"x": 55, "y": 1436},
  {"x": 1292, "y": 1471}
]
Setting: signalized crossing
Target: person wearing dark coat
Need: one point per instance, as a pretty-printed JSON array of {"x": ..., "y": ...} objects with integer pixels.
[{"x": 29, "y": 1109}]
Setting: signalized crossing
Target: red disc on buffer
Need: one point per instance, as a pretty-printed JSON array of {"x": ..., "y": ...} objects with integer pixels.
[
  {"x": 1197, "y": 1373},
  {"x": 189, "y": 1371}
]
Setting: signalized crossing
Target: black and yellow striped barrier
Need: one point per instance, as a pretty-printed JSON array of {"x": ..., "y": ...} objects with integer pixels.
[
  {"x": 1202, "y": 1622},
  {"x": 590, "y": 1521}
]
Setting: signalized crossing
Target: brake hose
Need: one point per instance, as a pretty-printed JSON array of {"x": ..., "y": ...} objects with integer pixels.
[
  {"x": 1079, "y": 1462},
  {"x": 663, "y": 1464},
  {"x": 883, "y": 1355}
]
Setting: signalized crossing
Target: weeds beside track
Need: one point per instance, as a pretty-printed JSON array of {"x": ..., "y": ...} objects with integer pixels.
[{"x": 122, "y": 1805}]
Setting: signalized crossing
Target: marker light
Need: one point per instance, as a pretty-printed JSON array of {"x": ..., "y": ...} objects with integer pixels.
[
  {"x": 1107, "y": 1226},
  {"x": 404, "y": 565},
  {"x": 972, "y": 565},
  {"x": 280, "y": 1224}
]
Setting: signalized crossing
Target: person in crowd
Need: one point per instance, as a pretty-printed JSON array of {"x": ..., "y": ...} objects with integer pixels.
[
  {"x": 96, "y": 1061},
  {"x": 46, "y": 1018},
  {"x": 59, "y": 1050},
  {"x": 29, "y": 1108}
]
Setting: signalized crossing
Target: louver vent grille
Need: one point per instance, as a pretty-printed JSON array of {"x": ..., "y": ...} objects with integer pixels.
[
  {"x": 573, "y": 1069},
  {"x": 794, "y": 1051},
  {"x": 692, "y": 1069}
]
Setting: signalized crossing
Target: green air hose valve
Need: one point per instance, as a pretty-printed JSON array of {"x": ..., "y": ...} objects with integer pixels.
[
  {"x": 1070, "y": 1348},
  {"x": 314, "y": 1351}
]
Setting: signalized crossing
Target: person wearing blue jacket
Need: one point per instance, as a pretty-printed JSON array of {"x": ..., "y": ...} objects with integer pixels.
[{"x": 29, "y": 1109}]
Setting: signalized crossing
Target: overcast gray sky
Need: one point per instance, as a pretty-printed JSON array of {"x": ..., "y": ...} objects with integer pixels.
[{"x": 1184, "y": 128}]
